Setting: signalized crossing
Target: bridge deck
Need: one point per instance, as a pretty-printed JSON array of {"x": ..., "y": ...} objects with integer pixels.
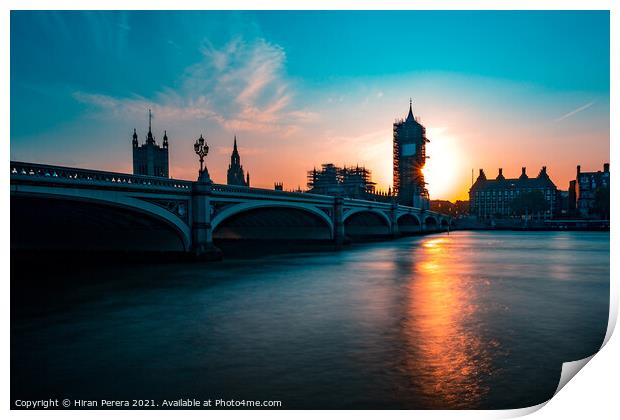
[{"x": 28, "y": 173}]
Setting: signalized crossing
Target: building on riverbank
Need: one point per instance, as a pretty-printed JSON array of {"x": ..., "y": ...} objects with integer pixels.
[
  {"x": 150, "y": 158},
  {"x": 351, "y": 182},
  {"x": 347, "y": 181},
  {"x": 589, "y": 194},
  {"x": 235, "y": 174},
  {"x": 409, "y": 158},
  {"x": 458, "y": 209},
  {"x": 506, "y": 197}
]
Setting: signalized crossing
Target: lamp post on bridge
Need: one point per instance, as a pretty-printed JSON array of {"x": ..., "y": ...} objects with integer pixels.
[
  {"x": 202, "y": 231},
  {"x": 201, "y": 148}
]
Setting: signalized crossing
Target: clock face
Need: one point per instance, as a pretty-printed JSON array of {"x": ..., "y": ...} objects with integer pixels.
[{"x": 408, "y": 149}]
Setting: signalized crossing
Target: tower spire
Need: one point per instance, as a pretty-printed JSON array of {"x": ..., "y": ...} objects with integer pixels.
[
  {"x": 235, "y": 174},
  {"x": 149, "y": 135},
  {"x": 410, "y": 116}
]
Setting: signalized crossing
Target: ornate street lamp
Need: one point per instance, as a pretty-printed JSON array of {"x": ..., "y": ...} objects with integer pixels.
[{"x": 202, "y": 149}]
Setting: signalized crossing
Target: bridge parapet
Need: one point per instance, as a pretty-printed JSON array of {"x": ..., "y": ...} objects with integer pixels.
[
  {"x": 35, "y": 170},
  {"x": 354, "y": 202},
  {"x": 221, "y": 189}
]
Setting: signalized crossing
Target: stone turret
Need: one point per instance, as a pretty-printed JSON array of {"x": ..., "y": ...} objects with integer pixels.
[{"x": 235, "y": 175}]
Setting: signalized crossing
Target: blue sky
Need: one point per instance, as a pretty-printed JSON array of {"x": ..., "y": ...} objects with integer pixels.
[{"x": 302, "y": 88}]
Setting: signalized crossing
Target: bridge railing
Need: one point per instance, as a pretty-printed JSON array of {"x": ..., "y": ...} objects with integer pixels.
[
  {"x": 386, "y": 206},
  {"x": 52, "y": 172},
  {"x": 365, "y": 203},
  {"x": 235, "y": 189}
]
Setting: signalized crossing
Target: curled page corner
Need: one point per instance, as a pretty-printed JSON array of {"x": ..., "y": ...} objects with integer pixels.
[
  {"x": 613, "y": 313},
  {"x": 520, "y": 412},
  {"x": 570, "y": 369}
]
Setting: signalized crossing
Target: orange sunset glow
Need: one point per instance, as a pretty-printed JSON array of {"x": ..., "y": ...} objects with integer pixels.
[{"x": 287, "y": 124}]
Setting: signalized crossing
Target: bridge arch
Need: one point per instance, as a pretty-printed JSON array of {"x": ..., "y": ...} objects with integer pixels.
[
  {"x": 264, "y": 220},
  {"x": 430, "y": 223},
  {"x": 409, "y": 223},
  {"x": 366, "y": 223},
  {"x": 445, "y": 225},
  {"x": 117, "y": 222}
]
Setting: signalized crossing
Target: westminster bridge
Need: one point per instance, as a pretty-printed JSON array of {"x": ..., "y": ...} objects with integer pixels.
[{"x": 63, "y": 208}]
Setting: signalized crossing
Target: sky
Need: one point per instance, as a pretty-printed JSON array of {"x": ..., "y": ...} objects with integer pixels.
[{"x": 494, "y": 89}]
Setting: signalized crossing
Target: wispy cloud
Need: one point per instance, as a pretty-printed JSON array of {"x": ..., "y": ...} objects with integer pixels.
[
  {"x": 574, "y": 111},
  {"x": 240, "y": 86},
  {"x": 172, "y": 108}
]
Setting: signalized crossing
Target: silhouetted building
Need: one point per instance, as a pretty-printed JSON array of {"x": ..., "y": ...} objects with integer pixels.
[
  {"x": 457, "y": 209},
  {"x": 591, "y": 193},
  {"x": 235, "y": 170},
  {"x": 150, "y": 158},
  {"x": 352, "y": 182},
  {"x": 498, "y": 197},
  {"x": 563, "y": 200},
  {"x": 278, "y": 186},
  {"x": 572, "y": 199},
  {"x": 409, "y": 157}
]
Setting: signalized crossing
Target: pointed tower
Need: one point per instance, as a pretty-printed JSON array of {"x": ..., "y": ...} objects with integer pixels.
[
  {"x": 410, "y": 118},
  {"x": 149, "y": 158},
  {"x": 149, "y": 135},
  {"x": 235, "y": 174},
  {"x": 409, "y": 158}
]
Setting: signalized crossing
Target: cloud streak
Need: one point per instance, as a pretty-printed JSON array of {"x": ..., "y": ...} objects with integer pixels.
[
  {"x": 241, "y": 86},
  {"x": 574, "y": 111}
]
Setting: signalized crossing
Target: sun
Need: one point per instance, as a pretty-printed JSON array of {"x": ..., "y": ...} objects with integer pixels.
[{"x": 444, "y": 168}]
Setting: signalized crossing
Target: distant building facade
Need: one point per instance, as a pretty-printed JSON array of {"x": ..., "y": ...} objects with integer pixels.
[
  {"x": 457, "y": 209},
  {"x": 409, "y": 157},
  {"x": 351, "y": 182},
  {"x": 235, "y": 175},
  {"x": 571, "y": 209},
  {"x": 563, "y": 203},
  {"x": 585, "y": 194},
  {"x": 150, "y": 158},
  {"x": 495, "y": 197}
]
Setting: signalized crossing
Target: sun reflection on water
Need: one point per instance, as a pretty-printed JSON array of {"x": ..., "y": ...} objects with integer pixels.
[{"x": 446, "y": 354}]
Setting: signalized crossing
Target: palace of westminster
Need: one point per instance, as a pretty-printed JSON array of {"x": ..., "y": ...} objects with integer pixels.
[
  {"x": 152, "y": 159},
  {"x": 488, "y": 198},
  {"x": 409, "y": 157}
]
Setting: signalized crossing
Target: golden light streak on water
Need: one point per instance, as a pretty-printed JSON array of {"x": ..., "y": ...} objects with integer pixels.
[{"x": 447, "y": 353}]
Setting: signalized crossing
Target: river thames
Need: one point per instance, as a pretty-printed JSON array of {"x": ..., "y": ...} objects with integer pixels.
[{"x": 459, "y": 320}]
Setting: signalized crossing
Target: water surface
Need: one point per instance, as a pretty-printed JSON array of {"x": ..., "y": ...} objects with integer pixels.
[{"x": 465, "y": 320}]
